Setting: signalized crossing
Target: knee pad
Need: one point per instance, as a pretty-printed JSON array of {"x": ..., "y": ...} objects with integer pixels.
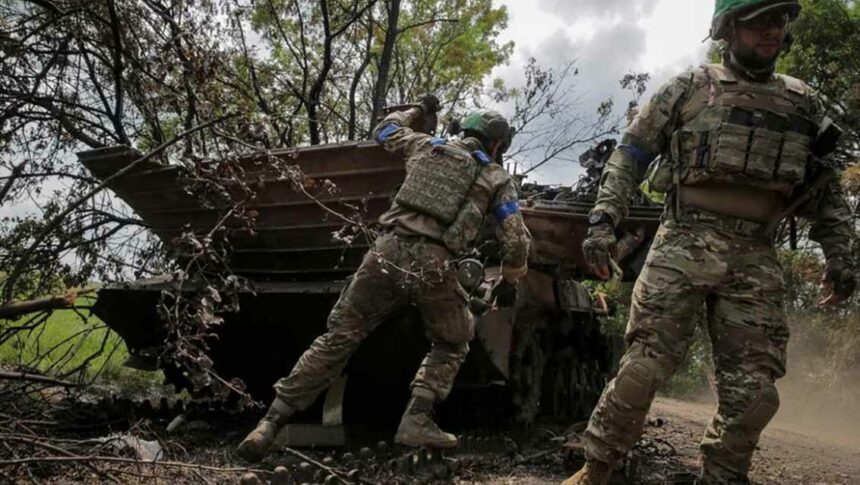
[
  {"x": 449, "y": 350},
  {"x": 761, "y": 410},
  {"x": 637, "y": 382}
]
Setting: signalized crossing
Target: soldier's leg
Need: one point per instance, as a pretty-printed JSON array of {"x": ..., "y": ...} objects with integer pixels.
[
  {"x": 682, "y": 266},
  {"x": 749, "y": 336},
  {"x": 449, "y": 327},
  {"x": 371, "y": 296}
]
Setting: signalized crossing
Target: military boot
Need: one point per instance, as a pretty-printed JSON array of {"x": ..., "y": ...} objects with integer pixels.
[
  {"x": 417, "y": 427},
  {"x": 592, "y": 473},
  {"x": 254, "y": 447}
]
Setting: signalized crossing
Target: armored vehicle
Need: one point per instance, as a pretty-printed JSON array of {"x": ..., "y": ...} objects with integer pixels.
[{"x": 547, "y": 355}]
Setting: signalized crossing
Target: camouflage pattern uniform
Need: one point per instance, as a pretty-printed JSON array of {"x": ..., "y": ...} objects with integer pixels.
[
  {"x": 697, "y": 257},
  {"x": 410, "y": 265}
]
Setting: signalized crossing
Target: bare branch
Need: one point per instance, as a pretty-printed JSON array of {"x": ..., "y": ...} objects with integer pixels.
[{"x": 16, "y": 172}]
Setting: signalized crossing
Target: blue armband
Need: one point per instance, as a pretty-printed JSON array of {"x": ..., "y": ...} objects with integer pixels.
[
  {"x": 507, "y": 210},
  {"x": 637, "y": 154},
  {"x": 386, "y": 131},
  {"x": 482, "y": 157}
]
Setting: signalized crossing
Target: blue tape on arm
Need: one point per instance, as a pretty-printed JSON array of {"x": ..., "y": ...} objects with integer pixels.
[
  {"x": 482, "y": 157},
  {"x": 642, "y": 158},
  {"x": 506, "y": 210},
  {"x": 386, "y": 131}
]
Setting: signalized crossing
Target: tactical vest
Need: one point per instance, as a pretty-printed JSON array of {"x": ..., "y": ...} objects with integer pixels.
[
  {"x": 439, "y": 186},
  {"x": 749, "y": 133}
]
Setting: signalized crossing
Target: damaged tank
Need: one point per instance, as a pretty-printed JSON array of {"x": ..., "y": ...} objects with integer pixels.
[{"x": 547, "y": 355}]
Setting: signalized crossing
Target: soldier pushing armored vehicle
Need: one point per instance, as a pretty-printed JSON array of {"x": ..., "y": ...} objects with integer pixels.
[
  {"x": 740, "y": 147},
  {"x": 450, "y": 187}
]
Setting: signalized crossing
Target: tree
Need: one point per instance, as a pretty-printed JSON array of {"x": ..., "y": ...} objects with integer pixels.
[
  {"x": 334, "y": 81},
  {"x": 188, "y": 83},
  {"x": 826, "y": 54}
]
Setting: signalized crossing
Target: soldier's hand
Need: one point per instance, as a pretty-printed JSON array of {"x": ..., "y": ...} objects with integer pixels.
[
  {"x": 429, "y": 104},
  {"x": 598, "y": 247},
  {"x": 505, "y": 294},
  {"x": 839, "y": 282}
]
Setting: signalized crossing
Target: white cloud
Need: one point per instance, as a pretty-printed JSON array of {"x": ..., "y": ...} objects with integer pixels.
[
  {"x": 608, "y": 38},
  {"x": 572, "y": 10}
]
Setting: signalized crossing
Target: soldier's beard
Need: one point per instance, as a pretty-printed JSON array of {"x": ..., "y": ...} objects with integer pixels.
[{"x": 749, "y": 62}]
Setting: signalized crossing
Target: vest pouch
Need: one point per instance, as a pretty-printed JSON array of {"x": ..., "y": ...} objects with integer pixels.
[
  {"x": 464, "y": 230},
  {"x": 659, "y": 175},
  {"x": 795, "y": 153},
  {"x": 763, "y": 153},
  {"x": 731, "y": 153},
  {"x": 438, "y": 184}
]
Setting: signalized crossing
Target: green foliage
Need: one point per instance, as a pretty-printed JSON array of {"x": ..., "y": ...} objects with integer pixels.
[
  {"x": 65, "y": 342},
  {"x": 454, "y": 55},
  {"x": 826, "y": 54},
  {"x": 446, "y": 47}
]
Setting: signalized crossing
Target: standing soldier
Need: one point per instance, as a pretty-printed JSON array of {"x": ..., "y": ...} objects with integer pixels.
[
  {"x": 450, "y": 187},
  {"x": 740, "y": 148}
]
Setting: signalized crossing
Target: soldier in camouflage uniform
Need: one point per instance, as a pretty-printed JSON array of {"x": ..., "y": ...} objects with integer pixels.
[
  {"x": 450, "y": 187},
  {"x": 737, "y": 146}
]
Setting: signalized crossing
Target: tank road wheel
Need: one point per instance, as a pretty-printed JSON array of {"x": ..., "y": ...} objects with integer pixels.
[
  {"x": 526, "y": 373},
  {"x": 571, "y": 386},
  {"x": 556, "y": 398},
  {"x": 581, "y": 389}
]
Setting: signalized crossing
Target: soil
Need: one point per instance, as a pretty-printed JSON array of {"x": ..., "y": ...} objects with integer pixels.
[{"x": 795, "y": 449}]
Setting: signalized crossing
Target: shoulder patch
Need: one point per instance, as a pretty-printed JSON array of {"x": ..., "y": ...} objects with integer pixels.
[
  {"x": 506, "y": 210},
  {"x": 386, "y": 132}
]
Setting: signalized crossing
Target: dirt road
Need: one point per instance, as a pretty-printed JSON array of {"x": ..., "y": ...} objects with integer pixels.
[
  {"x": 793, "y": 450},
  {"x": 811, "y": 442}
]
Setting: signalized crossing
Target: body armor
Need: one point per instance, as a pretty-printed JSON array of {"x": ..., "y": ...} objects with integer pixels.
[
  {"x": 438, "y": 185},
  {"x": 749, "y": 133}
]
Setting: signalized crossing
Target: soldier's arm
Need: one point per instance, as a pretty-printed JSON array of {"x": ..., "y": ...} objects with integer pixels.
[
  {"x": 827, "y": 209},
  {"x": 831, "y": 221},
  {"x": 644, "y": 139},
  {"x": 394, "y": 134},
  {"x": 513, "y": 236}
]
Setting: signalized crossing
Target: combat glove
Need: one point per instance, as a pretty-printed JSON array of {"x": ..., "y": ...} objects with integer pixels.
[
  {"x": 505, "y": 294},
  {"x": 598, "y": 246},
  {"x": 429, "y": 104},
  {"x": 840, "y": 277}
]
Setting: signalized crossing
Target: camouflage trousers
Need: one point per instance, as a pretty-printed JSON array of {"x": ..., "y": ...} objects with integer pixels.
[
  {"x": 738, "y": 280},
  {"x": 396, "y": 272}
]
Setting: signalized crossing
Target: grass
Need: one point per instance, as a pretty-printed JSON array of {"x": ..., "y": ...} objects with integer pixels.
[{"x": 69, "y": 340}]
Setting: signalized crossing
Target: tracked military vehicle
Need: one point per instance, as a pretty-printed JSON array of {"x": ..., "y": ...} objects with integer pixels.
[{"x": 547, "y": 355}]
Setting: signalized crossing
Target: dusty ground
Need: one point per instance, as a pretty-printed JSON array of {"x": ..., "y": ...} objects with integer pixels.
[
  {"x": 805, "y": 445},
  {"x": 810, "y": 442}
]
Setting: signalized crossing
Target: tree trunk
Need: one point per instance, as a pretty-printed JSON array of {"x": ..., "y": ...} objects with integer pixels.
[{"x": 381, "y": 88}]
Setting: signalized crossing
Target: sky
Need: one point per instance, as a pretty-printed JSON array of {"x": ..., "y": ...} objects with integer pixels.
[{"x": 608, "y": 39}]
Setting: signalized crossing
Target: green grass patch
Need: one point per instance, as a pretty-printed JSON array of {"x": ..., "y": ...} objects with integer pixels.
[{"x": 68, "y": 340}]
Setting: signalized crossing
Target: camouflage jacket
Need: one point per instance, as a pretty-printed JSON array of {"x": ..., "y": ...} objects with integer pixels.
[
  {"x": 493, "y": 193},
  {"x": 649, "y": 135}
]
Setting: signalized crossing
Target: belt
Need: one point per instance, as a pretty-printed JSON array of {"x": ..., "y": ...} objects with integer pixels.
[
  {"x": 416, "y": 238},
  {"x": 744, "y": 227}
]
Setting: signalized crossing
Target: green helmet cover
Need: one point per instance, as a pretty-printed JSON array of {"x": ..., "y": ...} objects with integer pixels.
[
  {"x": 490, "y": 124},
  {"x": 725, "y": 10}
]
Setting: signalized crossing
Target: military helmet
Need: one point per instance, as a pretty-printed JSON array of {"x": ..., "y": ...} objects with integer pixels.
[
  {"x": 490, "y": 124},
  {"x": 728, "y": 10}
]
